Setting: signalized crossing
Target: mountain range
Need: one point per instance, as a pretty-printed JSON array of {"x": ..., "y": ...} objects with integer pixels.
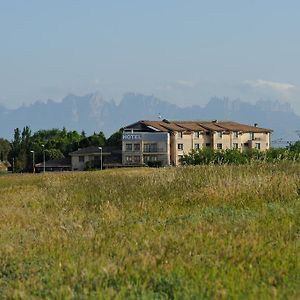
[{"x": 92, "y": 113}]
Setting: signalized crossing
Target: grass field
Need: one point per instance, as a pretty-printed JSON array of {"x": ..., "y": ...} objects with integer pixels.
[{"x": 206, "y": 232}]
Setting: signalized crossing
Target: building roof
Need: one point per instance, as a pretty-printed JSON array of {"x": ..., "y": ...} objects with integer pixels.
[
  {"x": 56, "y": 163},
  {"x": 182, "y": 126},
  {"x": 233, "y": 126},
  {"x": 92, "y": 150}
]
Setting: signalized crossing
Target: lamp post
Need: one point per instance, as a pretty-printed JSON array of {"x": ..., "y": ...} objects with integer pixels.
[
  {"x": 33, "y": 164},
  {"x": 44, "y": 159},
  {"x": 100, "y": 148}
]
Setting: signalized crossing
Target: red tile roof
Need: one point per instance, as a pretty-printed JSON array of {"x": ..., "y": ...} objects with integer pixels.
[{"x": 200, "y": 126}]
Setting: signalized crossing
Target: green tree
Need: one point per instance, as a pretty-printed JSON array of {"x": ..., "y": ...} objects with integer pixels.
[
  {"x": 295, "y": 147},
  {"x": 20, "y": 150},
  {"x": 5, "y": 148},
  {"x": 97, "y": 139},
  {"x": 115, "y": 139},
  {"x": 54, "y": 154}
]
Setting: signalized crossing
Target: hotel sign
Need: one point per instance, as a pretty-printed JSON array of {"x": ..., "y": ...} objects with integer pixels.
[{"x": 132, "y": 137}]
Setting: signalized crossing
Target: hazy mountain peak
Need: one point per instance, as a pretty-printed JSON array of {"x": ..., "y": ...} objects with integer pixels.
[
  {"x": 274, "y": 105},
  {"x": 92, "y": 113}
]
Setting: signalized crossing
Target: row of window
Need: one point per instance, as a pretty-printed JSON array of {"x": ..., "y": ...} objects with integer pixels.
[
  {"x": 196, "y": 134},
  {"x": 197, "y": 146},
  {"x": 153, "y": 147},
  {"x": 220, "y": 146},
  {"x": 131, "y": 159},
  {"x": 150, "y": 147},
  {"x": 134, "y": 147},
  {"x": 219, "y": 134},
  {"x": 236, "y": 146},
  {"x": 137, "y": 159}
]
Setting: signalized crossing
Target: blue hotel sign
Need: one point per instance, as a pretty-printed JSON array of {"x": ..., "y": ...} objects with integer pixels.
[
  {"x": 145, "y": 136},
  {"x": 132, "y": 137}
]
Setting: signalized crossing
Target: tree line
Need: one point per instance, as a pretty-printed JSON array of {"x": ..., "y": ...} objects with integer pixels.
[{"x": 57, "y": 143}]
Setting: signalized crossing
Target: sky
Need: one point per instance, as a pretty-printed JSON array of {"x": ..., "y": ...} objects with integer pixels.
[{"x": 182, "y": 51}]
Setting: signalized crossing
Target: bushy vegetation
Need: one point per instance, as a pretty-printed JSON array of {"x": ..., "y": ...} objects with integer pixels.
[
  {"x": 295, "y": 147},
  {"x": 203, "y": 232},
  {"x": 208, "y": 156}
]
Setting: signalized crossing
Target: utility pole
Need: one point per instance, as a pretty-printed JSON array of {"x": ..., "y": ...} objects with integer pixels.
[
  {"x": 101, "y": 163},
  {"x": 33, "y": 163}
]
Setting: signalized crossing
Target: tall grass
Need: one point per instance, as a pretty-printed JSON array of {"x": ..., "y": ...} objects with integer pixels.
[{"x": 206, "y": 232}]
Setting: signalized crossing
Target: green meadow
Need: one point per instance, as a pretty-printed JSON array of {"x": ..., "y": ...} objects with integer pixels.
[{"x": 203, "y": 232}]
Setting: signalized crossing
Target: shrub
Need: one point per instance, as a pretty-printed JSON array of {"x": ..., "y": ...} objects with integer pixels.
[
  {"x": 154, "y": 164},
  {"x": 229, "y": 156}
]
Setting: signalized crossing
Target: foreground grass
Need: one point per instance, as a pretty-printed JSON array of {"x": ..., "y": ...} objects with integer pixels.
[{"x": 195, "y": 232}]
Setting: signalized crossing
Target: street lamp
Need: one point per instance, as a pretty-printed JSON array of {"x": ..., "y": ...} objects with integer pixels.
[
  {"x": 33, "y": 164},
  {"x": 44, "y": 159},
  {"x": 100, "y": 148}
]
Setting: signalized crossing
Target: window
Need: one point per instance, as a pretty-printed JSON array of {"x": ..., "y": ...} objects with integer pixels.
[
  {"x": 235, "y": 134},
  {"x": 136, "y": 159},
  {"x": 180, "y": 146},
  {"x": 179, "y": 135},
  {"x": 97, "y": 158},
  {"x": 257, "y": 146},
  {"x": 207, "y": 145},
  {"x": 219, "y": 134},
  {"x": 207, "y": 133},
  {"x": 150, "y": 148},
  {"x": 128, "y": 159},
  {"x": 246, "y": 144},
  {"x": 128, "y": 147},
  {"x": 197, "y": 146},
  {"x": 251, "y": 134},
  {"x": 196, "y": 134},
  {"x": 81, "y": 158},
  {"x": 219, "y": 146},
  {"x": 235, "y": 146},
  {"x": 148, "y": 158},
  {"x": 137, "y": 147}
]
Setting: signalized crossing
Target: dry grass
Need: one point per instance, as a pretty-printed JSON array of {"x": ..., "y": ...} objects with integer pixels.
[{"x": 195, "y": 232}]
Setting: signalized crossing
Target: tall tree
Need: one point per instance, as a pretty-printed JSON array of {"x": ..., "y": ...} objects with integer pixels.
[
  {"x": 115, "y": 139},
  {"x": 5, "y": 147},
  {"x": 97, "y": 139}
]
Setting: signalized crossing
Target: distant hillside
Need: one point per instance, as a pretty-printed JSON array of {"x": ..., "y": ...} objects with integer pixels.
[{"x": 91, "y": 113}]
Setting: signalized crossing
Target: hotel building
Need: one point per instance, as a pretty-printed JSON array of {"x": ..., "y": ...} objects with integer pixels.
[{"x": 167, "y": 141}]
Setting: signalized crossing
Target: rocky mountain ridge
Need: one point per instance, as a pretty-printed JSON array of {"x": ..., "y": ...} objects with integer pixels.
[{"x": 92, "y": 113}]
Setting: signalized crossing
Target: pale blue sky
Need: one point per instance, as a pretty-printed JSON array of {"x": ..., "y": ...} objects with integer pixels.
[{"x": 181, "y": 51}]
